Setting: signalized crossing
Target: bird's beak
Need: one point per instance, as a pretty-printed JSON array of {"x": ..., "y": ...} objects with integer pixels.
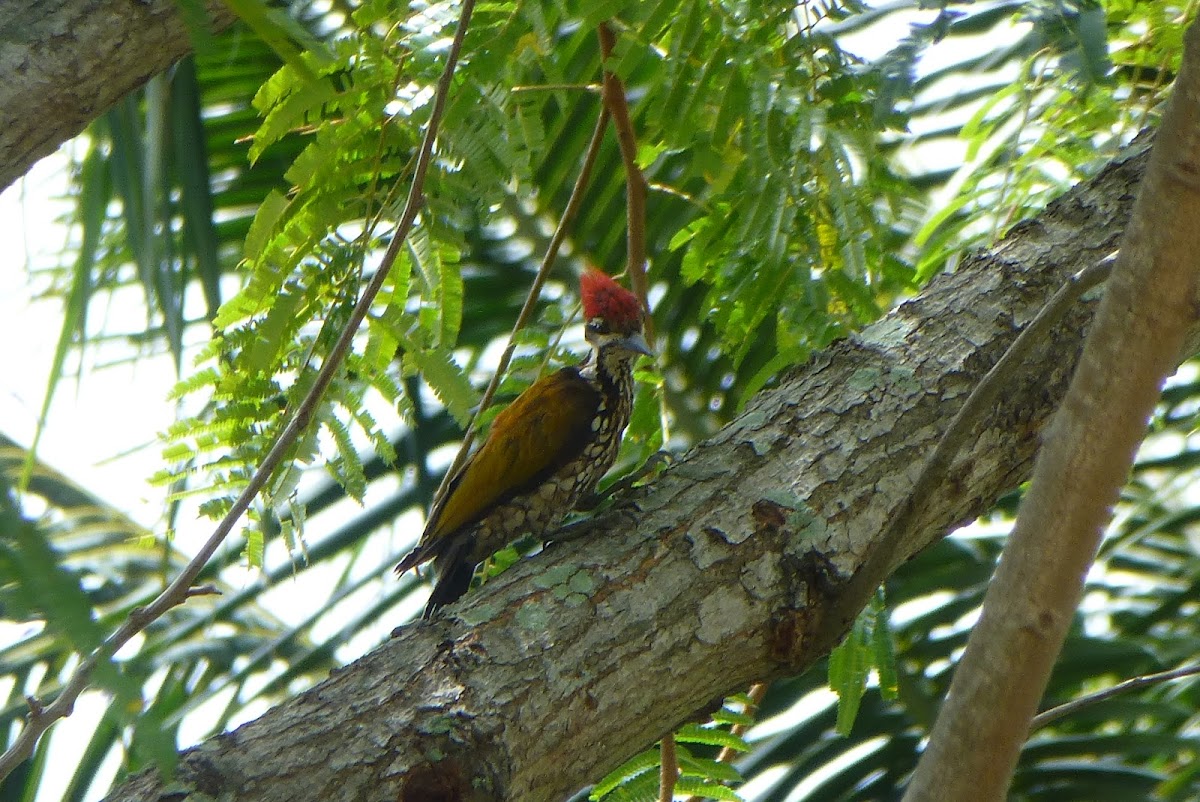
[{"x": 636, "y": 342}]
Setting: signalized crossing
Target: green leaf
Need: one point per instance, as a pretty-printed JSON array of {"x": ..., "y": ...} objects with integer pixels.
[
  {"x": 95, "y": 195},
  {"x": 849, "y": 667},
  {"x": 635, "y": 766},
  {"x": 302, "y": 104},
  {"x": 883, "y": 653},
  {"x": 712, "y": 770},
  {"x": 254, "y": 546},
  {"x": 713, "y": 736},
  {"x": 447, "y": 380},
  {"x": 705, "y": 790},
  {"x": 191, "y": 167},
  {"x": 275, "y": 332},
  {"x": 282, "y": 33}
]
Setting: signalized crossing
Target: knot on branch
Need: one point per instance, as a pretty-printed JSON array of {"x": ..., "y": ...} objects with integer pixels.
[{"x": 444, "y": 781}]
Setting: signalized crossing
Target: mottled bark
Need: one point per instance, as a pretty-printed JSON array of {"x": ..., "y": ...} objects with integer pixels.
[
  {"x": 65, "y": 62},
  {"x": 741, "y": 562}
]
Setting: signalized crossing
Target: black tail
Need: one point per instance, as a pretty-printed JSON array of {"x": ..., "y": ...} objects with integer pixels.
[{"x": 454, "y": 571}]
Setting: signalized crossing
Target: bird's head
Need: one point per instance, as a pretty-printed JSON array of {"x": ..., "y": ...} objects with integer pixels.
[{"x": 613, "y": 315}]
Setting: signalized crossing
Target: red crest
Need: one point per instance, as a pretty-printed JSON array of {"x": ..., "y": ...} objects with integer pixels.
[{"x": 605, "y": 298}]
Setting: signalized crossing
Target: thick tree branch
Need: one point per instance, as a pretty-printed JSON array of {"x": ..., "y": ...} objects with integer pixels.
[
  {"x": 1150, "y": 303},
  {"x": 736, "y": 564},
  {"x": 65, "y": 62}
]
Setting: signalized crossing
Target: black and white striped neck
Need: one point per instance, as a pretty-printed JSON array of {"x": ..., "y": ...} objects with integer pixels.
[{"x": 611, "y": 367}]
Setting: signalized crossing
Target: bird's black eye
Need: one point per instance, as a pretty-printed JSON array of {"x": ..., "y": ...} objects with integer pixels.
[{"x": 596, "y": 327}]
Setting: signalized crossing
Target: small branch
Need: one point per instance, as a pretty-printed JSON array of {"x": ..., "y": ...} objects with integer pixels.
[
  {"x": 1075, "y": 705},
  {"x": 635, "y": 181},
  {"x": 560, "y": 235},
  {"x": 41, "y": 715},
  {"x": 181, "y": 588},
  {"x": 668, "y": 769}
]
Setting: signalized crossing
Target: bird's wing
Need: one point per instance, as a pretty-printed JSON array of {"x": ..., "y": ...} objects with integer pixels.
[{"x": 536, "y": 434}]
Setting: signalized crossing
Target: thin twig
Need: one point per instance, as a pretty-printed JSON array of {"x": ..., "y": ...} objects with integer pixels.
[
  {"x": 179, "y": 590},
  {"x": 668, "y": 769},
  {"x": 635, "y": 181},
  {"x": 1073, "y": 706},
  {"x": 535, "y": 290}
]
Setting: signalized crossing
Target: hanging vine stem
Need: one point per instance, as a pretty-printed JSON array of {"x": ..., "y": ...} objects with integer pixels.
[
  {"x": 636, "y": 188},
  {"x": 41, "y": 716},
  {"x": 535, "y": 290}
]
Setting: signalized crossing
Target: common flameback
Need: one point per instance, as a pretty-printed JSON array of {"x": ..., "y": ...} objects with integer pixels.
[{"x": 547, "y": 450}]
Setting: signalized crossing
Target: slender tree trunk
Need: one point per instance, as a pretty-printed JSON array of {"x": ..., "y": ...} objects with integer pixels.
[{"x": 1149, "y": 305}]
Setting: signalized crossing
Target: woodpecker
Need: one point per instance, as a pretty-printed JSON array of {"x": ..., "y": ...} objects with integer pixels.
[{"x": 545, "y": 452}]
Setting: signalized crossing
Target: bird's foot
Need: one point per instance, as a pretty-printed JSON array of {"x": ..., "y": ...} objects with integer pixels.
[{"x": 657, "y": 461}]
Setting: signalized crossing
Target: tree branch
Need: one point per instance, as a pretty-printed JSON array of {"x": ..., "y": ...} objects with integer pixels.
[
  {"x": 571, "y": 662},
  {"x": 1149, "y": 305},
  {"x": 64, "y": 64},
  {"x": 1052, "y": 715}
]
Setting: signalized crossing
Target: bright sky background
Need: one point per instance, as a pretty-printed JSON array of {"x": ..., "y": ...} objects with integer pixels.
[{"x": 90, "y": 422}]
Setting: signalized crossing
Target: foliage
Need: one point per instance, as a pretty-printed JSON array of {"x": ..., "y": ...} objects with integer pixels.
[
  {"x": 638, "y": 777},
  {"x": 68, "y": 577},
  {"x": 799, "y": 185},
  {"x": 868, "y": 645}
]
